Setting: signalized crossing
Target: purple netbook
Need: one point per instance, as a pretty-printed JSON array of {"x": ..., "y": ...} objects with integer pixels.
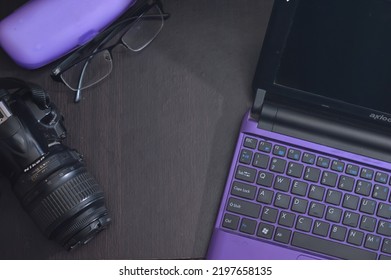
[{"x": 310, "y": 177}]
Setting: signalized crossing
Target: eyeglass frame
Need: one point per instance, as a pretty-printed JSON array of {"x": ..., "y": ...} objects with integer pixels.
[{"x": 93, "y": 47}]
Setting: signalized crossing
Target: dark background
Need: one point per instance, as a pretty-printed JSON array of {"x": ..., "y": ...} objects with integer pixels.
[{"x": 158, "y": 133}]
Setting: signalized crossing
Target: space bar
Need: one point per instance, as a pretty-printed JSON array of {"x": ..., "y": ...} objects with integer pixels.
[{"x": 331, "y": 248}]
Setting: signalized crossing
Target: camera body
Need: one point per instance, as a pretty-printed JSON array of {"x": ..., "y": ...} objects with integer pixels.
[{"x": 49, "y": 179}]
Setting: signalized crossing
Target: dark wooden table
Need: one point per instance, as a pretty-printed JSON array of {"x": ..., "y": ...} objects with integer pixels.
[{"x": 158, "y": 133}]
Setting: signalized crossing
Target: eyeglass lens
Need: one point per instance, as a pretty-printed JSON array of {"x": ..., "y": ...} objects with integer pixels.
[{"x": 98, "y": 66}]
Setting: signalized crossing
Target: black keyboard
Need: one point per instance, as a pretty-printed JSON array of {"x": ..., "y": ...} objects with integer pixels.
[{"x": 317, "y": 202}]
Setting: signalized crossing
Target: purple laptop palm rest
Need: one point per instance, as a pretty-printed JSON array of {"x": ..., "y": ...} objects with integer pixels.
[
  {"x": 246, "y": 228},
  {"x": 42, "y": 31}
]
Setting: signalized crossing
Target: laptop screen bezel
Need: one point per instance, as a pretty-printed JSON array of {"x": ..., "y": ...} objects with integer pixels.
[{"x": 279, "y": 26}]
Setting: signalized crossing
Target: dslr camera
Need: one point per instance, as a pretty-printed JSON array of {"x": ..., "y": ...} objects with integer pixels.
[{"x": 49, "y": 179}]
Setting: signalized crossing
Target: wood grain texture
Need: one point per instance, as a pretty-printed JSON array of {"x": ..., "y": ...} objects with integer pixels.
[{"x": 158, "y": 134}]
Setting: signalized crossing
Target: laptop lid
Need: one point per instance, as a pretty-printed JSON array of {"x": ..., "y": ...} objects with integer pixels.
[
  {"x": 324, "y": 74},
  {"x": 330, "y": 55}
]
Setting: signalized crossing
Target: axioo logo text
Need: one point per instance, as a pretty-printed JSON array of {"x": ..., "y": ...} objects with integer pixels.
[{"x": 380, "y": 117}]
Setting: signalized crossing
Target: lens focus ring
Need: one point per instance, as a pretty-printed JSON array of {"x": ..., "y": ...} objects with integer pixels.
[{"x": 63, "y": 199}]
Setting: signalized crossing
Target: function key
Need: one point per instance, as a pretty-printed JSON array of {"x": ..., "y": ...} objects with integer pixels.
[
  {"x": 250, "y": 142},
  {"x": 366, "y": 173},
  {"x": 352, "y": 169},
  {"x": 279, "y": 150},
  {"x": 323, "y": 162},
  {"x": 248, "y": 226},
  {"x": 265, "y": 146},
  {"x": 308, "y": 158},
  {"x": 337, "y": 165},
  {"x": 381, "y": 177},
  {"x": 294, "y": 154}
]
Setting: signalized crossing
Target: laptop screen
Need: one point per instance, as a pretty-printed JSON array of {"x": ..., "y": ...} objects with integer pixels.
[{"x": 340, "y": 49}]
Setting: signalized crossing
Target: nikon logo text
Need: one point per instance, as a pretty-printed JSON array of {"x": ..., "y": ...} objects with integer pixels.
[{"x": 380, "y": 118}]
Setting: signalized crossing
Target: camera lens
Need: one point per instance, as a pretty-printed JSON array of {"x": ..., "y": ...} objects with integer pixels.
[{"x": 63, "y": 198}]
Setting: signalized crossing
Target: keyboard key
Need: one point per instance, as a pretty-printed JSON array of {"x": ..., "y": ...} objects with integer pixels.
[
  {"x": 352, "y": 169},
  {"x": 363, "y": 187},
  {"x": 282, "y": 200},
  {"x": 277, "y": 165},
  {"x": 231, "y": 221},
  {"x": 337, "y": 165},
  {"x": 350, "y": 201},
  {"x": 304, "y": 223},
  {"x": 366, "y": 173},
  {"x": 338, "y": 233},
  {"x": 265, "y": 230},
  {"x": 330, "y": 248},
  {"x": 316, "y": 192},
  {"x": 329, "y": 179},
  {"x": 265, "y": 146},
  {"x": 265, "y": 196},
  {"x": 368, "y": 223},
  {"x": 286, "y": 219},
  {"x": 384, "y": 257},
  {"x": 282, "y": 235},
  {"x": 279, "y": 150},
  {"x": 368, "y": 206},
  {"x": 321, "y": 228},
  {"x": 261, "y": 160},
  {"x": 248, "y": 226},
  {"x": 242, "y": 207},
  {"x": 386, "y": 247},
  {"x": 250, "y": 142},
  {"x": 243, "y": 190},
  {"x": 372, "y": 242},
  {"x": 312, "y": 174},
  {"x": 346, "y": 183},
  {"x": 384, "y": 228},
  {"x": 265, "y": 179},
  {"x": 333, "y": 214},
  {"x": 308, "y": 158},
  {"x": 323, "y": 162},
  {"x": 294, "y": 154},
  {"x": 299, "y": 188},
  {"x": 316, "y": 209},
  {"x": 245, "y": 173},
  {"x": 384, "y": 210},
  {"x": 355, "y": 237},
  {"x": 299, "y": 205},
  {"x": 350, "y": 219},
  {"x": 282, "y": 183},
  {"x": 295, "y": 169},
  {"x": 245, "y": 156},
  {"x": 333, "y": 197},
  {"x": 269, "y": 214},
  {"x": 381, "y": 177},
  {"x": 380, "y": 192}
]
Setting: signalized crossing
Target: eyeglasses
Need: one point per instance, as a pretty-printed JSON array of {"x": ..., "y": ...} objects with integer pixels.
[{"x": 92, "y": 63}]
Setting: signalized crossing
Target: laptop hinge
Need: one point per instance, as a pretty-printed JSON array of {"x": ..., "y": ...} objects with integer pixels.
[
  {"x": 258, "y": 103},
  {"x": 325, "y": 128}
]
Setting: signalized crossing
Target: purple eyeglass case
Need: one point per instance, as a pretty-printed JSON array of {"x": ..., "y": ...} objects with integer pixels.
[{"x": 42, "y": 31}]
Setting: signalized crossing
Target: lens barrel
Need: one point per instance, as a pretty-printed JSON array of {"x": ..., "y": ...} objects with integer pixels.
[{"x": 63, "y": 198}]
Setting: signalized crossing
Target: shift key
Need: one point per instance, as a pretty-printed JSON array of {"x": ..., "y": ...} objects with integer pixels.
[{"x": 242, "y": 207}]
